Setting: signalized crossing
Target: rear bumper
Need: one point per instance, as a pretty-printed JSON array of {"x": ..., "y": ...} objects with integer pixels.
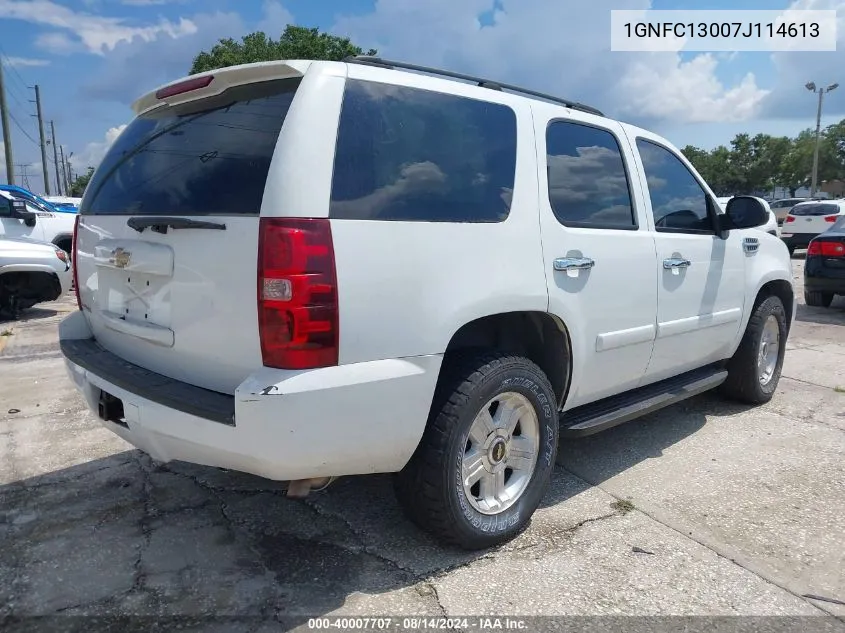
[
  {"x": 834, "y": 286},
  {"x": 820, "y": 277},
  {"x": 283, "y": 425},
  {"x": 833, "y": 281},
  {"x": 796, "y": 240}
]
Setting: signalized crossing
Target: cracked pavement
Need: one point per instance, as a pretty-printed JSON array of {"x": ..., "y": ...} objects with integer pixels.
[{"x": 705, "y": 508}]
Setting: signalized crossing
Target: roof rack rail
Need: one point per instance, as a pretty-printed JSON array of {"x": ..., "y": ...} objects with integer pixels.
[{"x": 484, "y": 83}]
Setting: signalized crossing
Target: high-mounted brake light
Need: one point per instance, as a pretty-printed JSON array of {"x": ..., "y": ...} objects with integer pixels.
[
  {"x": 826, "y": 248},
  {"x": 184, "y": 86},
  {"x": 297, "y": 293},
  {"x": 790, "y": 218},
  {"x": 74, "y": 261}
]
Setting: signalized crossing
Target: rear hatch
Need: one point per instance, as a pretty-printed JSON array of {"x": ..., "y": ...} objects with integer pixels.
[
  {"x": 811, "y": 217},
  {"x": 167, "y": 241}
]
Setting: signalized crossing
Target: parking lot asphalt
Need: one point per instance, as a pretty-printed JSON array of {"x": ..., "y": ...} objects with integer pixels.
[{"x": 705, "y": 508}]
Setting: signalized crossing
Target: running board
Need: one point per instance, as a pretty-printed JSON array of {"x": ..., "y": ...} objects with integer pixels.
[{"x": 609, "y": 412}]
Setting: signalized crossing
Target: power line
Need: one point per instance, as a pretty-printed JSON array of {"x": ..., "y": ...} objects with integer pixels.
[
  {"x": 20, "y": 127},
  {"x": 12, "y": 68},
  {"x": 14, "y": 96}
]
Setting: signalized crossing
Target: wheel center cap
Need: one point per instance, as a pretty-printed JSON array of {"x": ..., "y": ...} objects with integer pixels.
[{"x": 498, "y": 449}]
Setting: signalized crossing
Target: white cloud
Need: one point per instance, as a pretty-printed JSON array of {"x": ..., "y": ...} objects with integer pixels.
[
  {"x": 26, "y": 61},
  {"x": 663, "y": 87},
  {"x": 276, "y": 18},
  {"x": 548, "y": 46},
  {"x": 165, "y": 58},
  {"x": 94, "y": 152},
  {"x": 59, "y": 43},
  {"x": 98, "y": 34}
]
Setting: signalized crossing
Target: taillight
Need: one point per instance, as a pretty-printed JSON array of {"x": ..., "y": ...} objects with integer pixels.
[
  {"x": 826, "y": 249},
  {"x": 297, "y": 293},
  {"x": 74, "y": 261},
  {"x": 184, "y": 86},
  {"x": 790, "y": 218},
  {"x": 831, "y": 218}
]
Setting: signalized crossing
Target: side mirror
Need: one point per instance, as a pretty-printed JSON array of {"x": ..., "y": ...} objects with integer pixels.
[
  {"x": 20, "y": 212},
  {"x": 743, "y": 212}
]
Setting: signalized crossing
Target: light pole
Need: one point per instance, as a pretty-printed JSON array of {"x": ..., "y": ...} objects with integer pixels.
[{"x": 811, "y": 86}]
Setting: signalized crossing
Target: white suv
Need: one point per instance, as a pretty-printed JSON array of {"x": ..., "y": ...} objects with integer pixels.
[{"x": 305, "y": 270}]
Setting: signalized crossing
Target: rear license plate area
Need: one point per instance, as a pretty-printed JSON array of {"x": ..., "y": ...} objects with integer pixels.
[{"x": 110, "y": 409}]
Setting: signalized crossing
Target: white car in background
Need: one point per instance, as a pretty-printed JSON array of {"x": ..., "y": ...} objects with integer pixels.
[
  {"x": 38, "y": 224},
  {"x": 808, "y": 220},
  {"x": 770, "y": 227}
]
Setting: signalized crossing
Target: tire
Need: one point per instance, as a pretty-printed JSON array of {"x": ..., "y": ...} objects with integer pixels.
[
  {"x": 791, "y": 250},
  {"x": 430, "y": 489},
  {"x": 818, "y": 299},
  {"x": 750, "y": 381}
]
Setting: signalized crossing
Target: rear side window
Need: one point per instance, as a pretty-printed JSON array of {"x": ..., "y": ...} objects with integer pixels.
[
  {"x": 209, "y": 157},
  {"x": 416, "y": 155},
  {"x": 588, "y": 182}
]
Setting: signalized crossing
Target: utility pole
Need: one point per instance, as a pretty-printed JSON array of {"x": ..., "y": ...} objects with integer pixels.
[
  {"x": 69, "y": 171},
  {"x": 43, "y": 143},
  {"x": 7, "y": 133},
  {"x": 56, "y": 159},
  {"x": 811, "y": 86},
  {"x": 64, "y": 169}
]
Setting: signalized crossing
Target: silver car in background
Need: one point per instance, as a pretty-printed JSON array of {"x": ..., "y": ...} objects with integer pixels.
[{"x": 783, "y": 206}]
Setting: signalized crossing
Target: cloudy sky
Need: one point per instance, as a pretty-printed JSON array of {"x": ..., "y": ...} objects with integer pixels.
[{"x": 92, "y": 58}]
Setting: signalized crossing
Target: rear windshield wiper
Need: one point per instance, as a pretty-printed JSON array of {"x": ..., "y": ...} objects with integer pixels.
[{"x": 160, "y": 225}]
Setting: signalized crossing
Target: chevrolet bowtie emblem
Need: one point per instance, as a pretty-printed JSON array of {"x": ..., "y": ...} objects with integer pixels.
[{"x": 120, "y": 257}]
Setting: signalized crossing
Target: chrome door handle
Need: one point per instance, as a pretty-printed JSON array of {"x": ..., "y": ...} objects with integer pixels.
[
  {"x": 573, "y": 263},
  {"x": 676, "y": 262}
]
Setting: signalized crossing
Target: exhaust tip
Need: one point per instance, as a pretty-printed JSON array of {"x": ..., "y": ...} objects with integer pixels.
[{"x": 301, "y": 488}]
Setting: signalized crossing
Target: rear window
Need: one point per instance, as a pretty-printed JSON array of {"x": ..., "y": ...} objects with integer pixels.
[
  {"x": 815, "y": 209},
  {"x": 416, "y": 155},
  {"x": 210, "y": 157}
]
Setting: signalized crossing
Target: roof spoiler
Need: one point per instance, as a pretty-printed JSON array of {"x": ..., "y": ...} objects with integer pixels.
[{"x": 215, "y": 82}]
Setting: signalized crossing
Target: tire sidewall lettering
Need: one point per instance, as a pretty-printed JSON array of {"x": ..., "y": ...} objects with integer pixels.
[{"x": 545, "y": 412}]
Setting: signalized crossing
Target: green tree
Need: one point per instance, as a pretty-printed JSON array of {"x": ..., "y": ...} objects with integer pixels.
[
  {"x": 835, "y": 149},
  {"x": 698, "y": 157},
  {"x": 720, "y": 171},
  {"x": 742, "y": 161},
  {"x": 78, "y": 186},
  {"x": 707, "y": 165},
  {"x": 296, "y": 42},
  {"x": 797, "y": 165}
]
